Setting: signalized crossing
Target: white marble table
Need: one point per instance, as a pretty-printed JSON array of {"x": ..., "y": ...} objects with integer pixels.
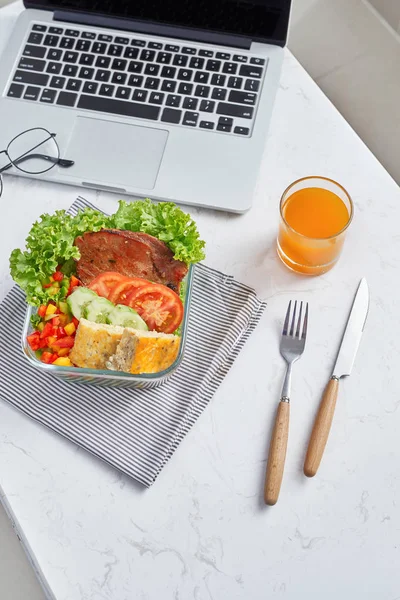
[{"x": 202, "y": 531}]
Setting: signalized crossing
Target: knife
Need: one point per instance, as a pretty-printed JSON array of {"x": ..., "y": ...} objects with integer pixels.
[{"x": 344, "y": 364}]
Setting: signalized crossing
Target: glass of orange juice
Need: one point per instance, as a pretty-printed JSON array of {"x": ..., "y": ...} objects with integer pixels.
[{"x": 315, "y": 215}]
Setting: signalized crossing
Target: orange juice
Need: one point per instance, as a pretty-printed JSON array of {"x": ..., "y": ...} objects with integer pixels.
[{"x": 315, "y": 213}]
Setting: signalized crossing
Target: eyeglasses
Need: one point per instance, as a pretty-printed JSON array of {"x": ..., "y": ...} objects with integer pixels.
[{"x": 29, "y": 151}]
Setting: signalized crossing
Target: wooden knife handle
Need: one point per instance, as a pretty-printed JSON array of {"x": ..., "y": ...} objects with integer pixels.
[
  {"x": 277, "y": 454},
  {"x": 322, "y": 426}
]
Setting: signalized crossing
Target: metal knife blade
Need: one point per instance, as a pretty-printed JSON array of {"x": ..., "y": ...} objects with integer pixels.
[{"x": 353, "y": 332}]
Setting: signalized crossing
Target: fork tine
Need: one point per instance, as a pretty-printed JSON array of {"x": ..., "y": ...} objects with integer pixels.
[
  {"x": 303, "y": 335},
  {"x": 299, "y": 321},
  {"x": 286, "y": 323},
  {"x": 293, "y": 320}
]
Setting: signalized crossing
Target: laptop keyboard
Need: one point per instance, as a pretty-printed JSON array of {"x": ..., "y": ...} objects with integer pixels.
[{"x": 170, "y": 83}]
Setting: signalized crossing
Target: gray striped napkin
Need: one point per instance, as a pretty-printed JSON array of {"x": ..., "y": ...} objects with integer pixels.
[{"x": 135, "y": 430}]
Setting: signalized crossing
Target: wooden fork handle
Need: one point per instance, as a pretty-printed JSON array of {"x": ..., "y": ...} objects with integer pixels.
[
  {"x": 277, "y": 454},
  {"x": 322, "y": 426}
]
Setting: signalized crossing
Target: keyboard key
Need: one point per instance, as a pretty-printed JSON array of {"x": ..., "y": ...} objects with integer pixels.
[
  {"x": 185, "y": 74},
  {"x": 70, "y": 57},
  {"x": 70, "y": 70},
  {"x": 103, "y": 76},
  {"x": 207, "y": 106},
  {"x": 242, "y": 97},
  {"x": 30, "y": 77},
  {"x": 56, "y": 30},
  {"x": 66, "y": 98},
  {"x": 207, "y": 53},
  {"x": 39, "y": 28},
  {"x": 190, "y": 103},
  {"x": 218, "y": 93},
  {"x": 67, "y": 43},
  {"x": 230, "y": 68},
  {"x": 131, "y": 52},
  {"x": 206, "y": 125},
  {"x": 241, "y": 130},
  {"x": 74, "y": 85},
  {"x": 168, "y": 86},
  {"x": 235, "y": 110},
  {"x": 57, "y": 82},
  {"x": 156, "y": 98},
  {"x": 135, "y": 67},
  {"x": 185, "y": 88},
  {"x": 15, "y": 90},
  {"x": 34, "y": 51},
  {"x": 252, "y": 85},
  {"x": 104, "y": 38},
  {"x": 225, "y": 121},
  {"x": 115, "y": 50},
  {"x": 31, "y": 64},
  {"x": 99, "y": 48},
  {"x": 239, "y": 58},
  {"x": 168, "y": 72},
  {"x": 135, "y": 80},
  {"x": 86, "y": 59},
  {"x": 32, "y": 93},
  {"x": 53, "y": 54},
  {"x": 186, "y": 50},
  {"x": 35, "y": 38},
  {"x": 190, "y": 119},
  {"x": 88, "y": 35},
  {"x": 173, "y": 100},
  {"x": 218, "y": 79},
  {"x": 119, "y": 78},
  {"x": 202, "y": 90},
  {"x": 250, "y": 71},
  {"x": 223, "y": 56},
  {"x": 119, "y": 107},
  {"x": 90, "y": 87},
  {"x": 121, "y": 40},
  {"x": 213, "y": 65},
  {"x": 171, "y": 48},
  {"x": 180, "y": 60},
  {"x": 201, "y": 77},
  {"x": 196, "y": 62},
  {"x": 257, "y": 61},
  {"x": 54, "y": 68},
  {"x": 140, "y": 95},
  {"x": 72, "y": 33},
  {"x": 171, "y": 115},
  {"x": 119, "y": 64},
  {"x": 49, "y": 40},
  {"x": 164, "y": 58},
  {"x": 152, "y": 69},
  {"x": 152, "y": 83},
  {"x": 147, "y": 55},
  {"x": 48, "y": 96},
  {"x": 103, "y": 62},
  {"x": 86, "y": 73},
  {"x": 222, "y": 127},
  {"x": 235, "y": 82},
  {"x": 83, "y": 45},
  {"x": 155, "y": 45},
  {"x": 123, "y": 92},
  {"x": 106, "y": 90},
  {"x": 138, "y": 43}
]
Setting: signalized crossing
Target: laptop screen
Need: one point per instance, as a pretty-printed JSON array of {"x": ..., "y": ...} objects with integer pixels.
[{"x": 259, "y": 20}]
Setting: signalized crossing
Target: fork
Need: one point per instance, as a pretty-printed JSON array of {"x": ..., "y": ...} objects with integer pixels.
[{"x": 291, "y": 348}]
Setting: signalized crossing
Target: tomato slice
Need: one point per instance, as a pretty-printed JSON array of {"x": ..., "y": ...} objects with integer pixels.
[
  {"x": 120, "y": 292},
  {"x": 104, "y": 283},
  {"x": 159, "y": 306}
]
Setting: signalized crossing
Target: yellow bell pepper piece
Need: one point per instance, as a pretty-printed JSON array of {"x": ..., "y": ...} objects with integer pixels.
[
  {"x": 63, "y": 361},
  {"x": 51, "y": 309},
  {"x": 70, "y": 328}
]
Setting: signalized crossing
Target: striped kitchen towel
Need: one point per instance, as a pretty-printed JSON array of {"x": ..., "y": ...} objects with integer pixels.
[{"x": 135, "y": 430}]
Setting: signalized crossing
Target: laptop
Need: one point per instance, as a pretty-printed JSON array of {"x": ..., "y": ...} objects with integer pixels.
[{"x": 168, "y": 99}]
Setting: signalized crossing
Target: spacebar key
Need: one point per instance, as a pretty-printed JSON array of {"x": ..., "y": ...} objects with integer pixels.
[{"x": 118, "y": 107}]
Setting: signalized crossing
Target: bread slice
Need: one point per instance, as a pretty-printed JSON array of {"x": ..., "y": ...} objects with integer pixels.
[
  {"x": 116, "y": 348},
  {"x": 144, "y": 352}
]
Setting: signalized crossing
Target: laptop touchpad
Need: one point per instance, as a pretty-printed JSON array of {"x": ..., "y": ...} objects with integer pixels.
[{"x": 115, "y": 154}]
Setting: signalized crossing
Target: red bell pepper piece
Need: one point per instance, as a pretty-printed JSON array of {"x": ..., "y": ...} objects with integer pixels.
[
  {"x": 58, "y": 276},
  {"x": 34, "y": 340},
  {"x": 75, "y": 322},
  {"x": 74, "y": 281},
  {"x": 42, "y": 310},
  {"x": 66, "y": 342},
  {"x": 48, "y": 330},
  {"x": 48, "y": 357},
  {"x": 61, "y": 333},
  {"x": 55, "y": 321}
]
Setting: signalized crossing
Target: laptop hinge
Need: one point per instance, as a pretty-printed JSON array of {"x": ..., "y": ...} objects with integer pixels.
[{"x": 195, "y": 35}]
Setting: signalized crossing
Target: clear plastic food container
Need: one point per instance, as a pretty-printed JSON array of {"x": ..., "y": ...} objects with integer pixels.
[{"x": 112, "y": 378}]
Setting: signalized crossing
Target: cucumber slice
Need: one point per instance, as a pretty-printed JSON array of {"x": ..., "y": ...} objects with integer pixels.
[
  {"x": 98, "y": 310},
  {"x": 127, "y": 317},
  {"x": 78, "y": 301}
]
